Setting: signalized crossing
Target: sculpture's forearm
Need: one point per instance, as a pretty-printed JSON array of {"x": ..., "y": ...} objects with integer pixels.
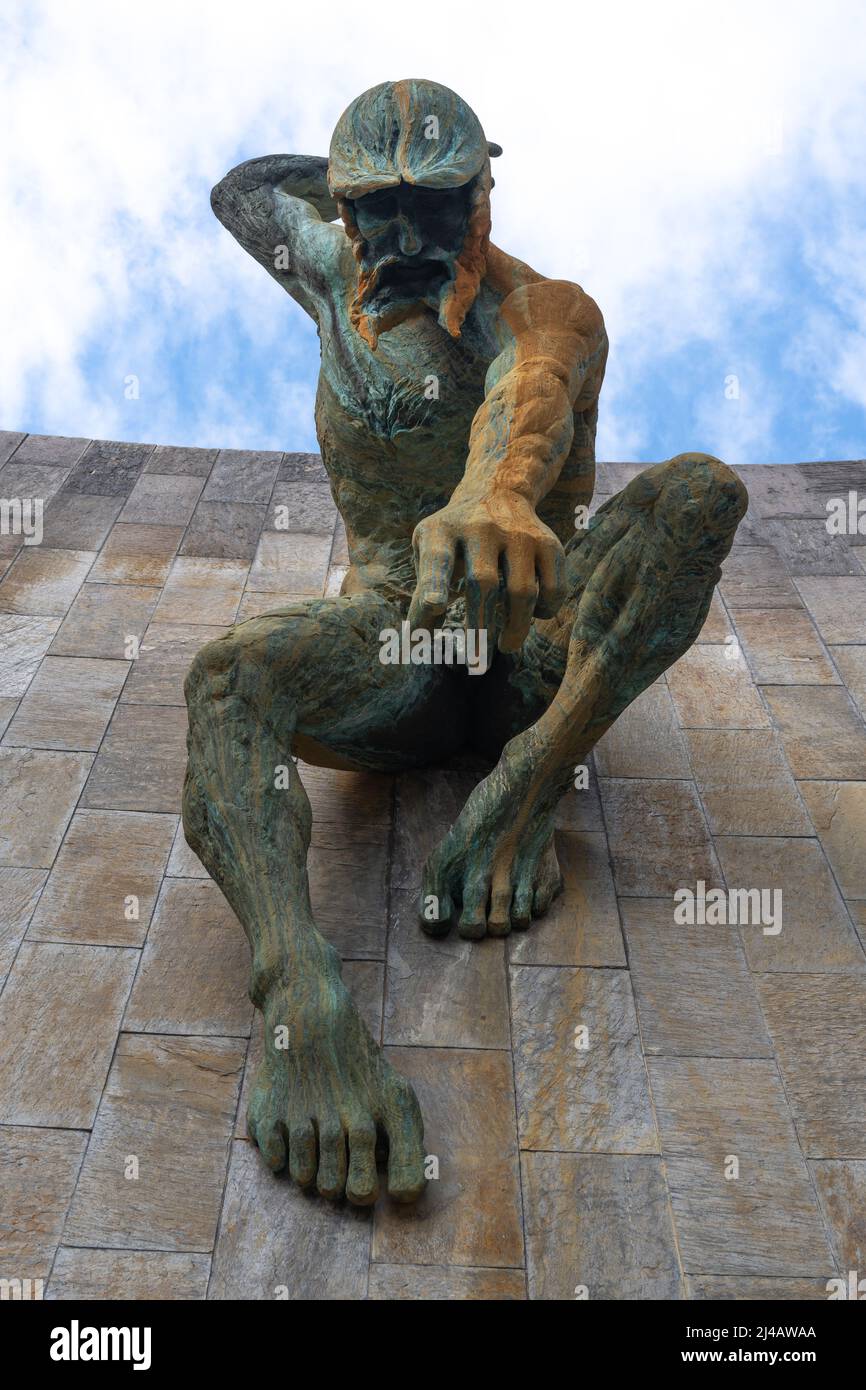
[
  {"x": 298, "y": 175},
  {"x": 522, "y": 434}
]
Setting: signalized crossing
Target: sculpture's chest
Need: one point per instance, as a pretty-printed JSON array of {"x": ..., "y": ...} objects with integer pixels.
[{"x": 418, "y": 385}]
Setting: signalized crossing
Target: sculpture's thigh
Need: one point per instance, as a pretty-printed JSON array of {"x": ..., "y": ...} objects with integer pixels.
[{"x": 314, "y": 669}]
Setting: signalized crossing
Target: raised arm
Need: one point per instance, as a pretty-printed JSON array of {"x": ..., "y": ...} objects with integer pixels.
[
  {"x": 520, "y": 439},
  {"x": 279, "y": 209}
]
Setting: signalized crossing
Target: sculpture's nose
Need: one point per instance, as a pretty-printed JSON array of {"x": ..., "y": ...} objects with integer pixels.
[{"x": 407, "y": 237}]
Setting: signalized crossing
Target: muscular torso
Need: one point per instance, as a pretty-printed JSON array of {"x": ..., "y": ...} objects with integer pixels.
[{"x": 393, "y": 427}]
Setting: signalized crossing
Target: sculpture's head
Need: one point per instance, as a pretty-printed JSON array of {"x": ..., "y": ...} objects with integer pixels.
[{"x": 409, "y": 167}]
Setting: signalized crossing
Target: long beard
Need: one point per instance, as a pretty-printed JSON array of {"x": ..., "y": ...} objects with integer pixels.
[{"x": 373, "y": 313}]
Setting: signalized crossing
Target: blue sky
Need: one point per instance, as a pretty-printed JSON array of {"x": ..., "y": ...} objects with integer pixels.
[{"x": 701, "y": 171}]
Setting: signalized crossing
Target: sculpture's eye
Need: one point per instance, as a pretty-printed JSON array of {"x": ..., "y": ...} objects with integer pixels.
[{"x": 379, "y": 205}]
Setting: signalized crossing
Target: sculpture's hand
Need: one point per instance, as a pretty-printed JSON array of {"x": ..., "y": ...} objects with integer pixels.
[{"x": 509, "y": 558}]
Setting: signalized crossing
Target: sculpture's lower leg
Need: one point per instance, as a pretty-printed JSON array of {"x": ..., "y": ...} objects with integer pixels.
[
  {"x": 324, "y": 1090},
  {"x": 640, "y": 584}
]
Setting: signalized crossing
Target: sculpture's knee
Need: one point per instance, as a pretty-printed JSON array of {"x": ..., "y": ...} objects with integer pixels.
[
  {"x": 700, "y": 503},
  {"x": 236, "y": 664}
]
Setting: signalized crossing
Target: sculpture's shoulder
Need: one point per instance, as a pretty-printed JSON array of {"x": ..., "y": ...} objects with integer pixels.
[{"x": 529, "y": 300}]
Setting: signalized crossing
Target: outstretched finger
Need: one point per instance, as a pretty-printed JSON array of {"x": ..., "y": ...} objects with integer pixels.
[
  {"x": 434, "y": 564},
  {"x": 521, "y": 595},
  {"x": 550, "y": 568},
  {"x": 482, "y": 588}
]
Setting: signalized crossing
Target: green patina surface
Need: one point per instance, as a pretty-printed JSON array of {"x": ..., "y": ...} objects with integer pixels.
[{"x": 456, "y": 414}]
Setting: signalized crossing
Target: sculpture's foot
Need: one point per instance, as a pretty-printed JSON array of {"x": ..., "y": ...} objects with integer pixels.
[
  {"x": 324, "y": 1092},
  {"x": 499, "y": 874}
]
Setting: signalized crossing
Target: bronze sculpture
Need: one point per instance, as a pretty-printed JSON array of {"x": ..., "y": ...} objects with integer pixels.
[{"x": 456, "y": 414}]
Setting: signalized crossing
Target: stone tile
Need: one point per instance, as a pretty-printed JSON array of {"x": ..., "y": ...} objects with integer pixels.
[
  {"x": 97, "y": 1275},
  {"x": 103, "y": 619},
  {"x": 202, "y": 591},
  {"x": 287, "y": 563},
  {"x": 189, "y": 463},
  {"x": 38, "y": 792},
  {"x": 137, "y": 554},
  {"x": 818, "y": 1027},
  {"x": 302, "y": 506},
  {"x": 44, "y": 582},
  {"x": 717, "y": 627},
  {"x": 160, "y": 499},
  {"x": 241, "y": 475},
  {"x": 169, "y": 1103},
  {"x": 838, "y": 606},
  {"x": 763, "y": 1222},
  {"x": 59, "y": 1015},
  {"x": 253, "y": 605},
  {"x": 78, "y": 521},
  {"x": 857, "y": 912},
  {"x": 851, "y": 662},
  {"x": 756, "y": 577},
  {"x": 109, "y": 468},
  {"x": 10, "y": 547},
  {"x": 340, "y": 548},
  {"x": 441, "y": 991},
  {"x": 69, "y": 703},
  {"x": 22, "y": 480},
  {"x": 745, "y": 783},
  {"x": 816, "y": 933},
  {"x": 302, "y": 468},
  {"x": 142, "y": 761},
  {"x": 445, "y": 1283},
  {"x": 228, "y": 530},
  {"x": 783, "y": 648},
  {"x": 183, "y": 862},
  {"x": 38, "y": 1168},
  {"x": 347, "y": 864},
  {"x": 365, "y": 981},
  {"x": 164, "y": 658},
  {"x": 107, "y": 858},
  {"x": 8, "y": 706},
  {"x": 19, "y": 894},
  {"x": 23, "y": 643},
  {"x": 470, "y": 1214},
  {"x": 579, "y": 812},
  {"x": 599, "y": 1223},
  {"x": 838, "y": 811},
  {"x": 820, "y": 731},
  {"x": 807, "y": 547},
  {"x": 658, "y": 837},
  {"x": 831, "y": 477},
  {"x": 278, "y": 1242},
  {"x": 784, "y": 490},
  {"x": 9, "y": 442},
  {"x": 694, "y": 994},
  {"x": 841, "y": 1189},
  {"x": 591, "y": 1098},
  {"x": 748, "y": 1287},
  {"x": 194, "y": 967},
  {"x": 582, "y": 925},
  {"x": 334, "y": 581},
  {"x": 51, "y": 450},
  {"x": 645, "y": 741},
  {"x": 711, "y": 688}
]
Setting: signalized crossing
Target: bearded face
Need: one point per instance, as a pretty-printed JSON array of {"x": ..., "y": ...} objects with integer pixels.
[{"x": 416, "y": 248}]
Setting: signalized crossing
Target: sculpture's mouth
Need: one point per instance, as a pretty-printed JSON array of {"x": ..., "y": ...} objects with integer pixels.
[{"x": 409, "y": 282}]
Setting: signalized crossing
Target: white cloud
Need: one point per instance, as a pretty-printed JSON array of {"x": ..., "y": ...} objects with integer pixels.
[{"x": 644, "y": 143}]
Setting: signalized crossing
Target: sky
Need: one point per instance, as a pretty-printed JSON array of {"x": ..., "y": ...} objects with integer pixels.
[{"x": 700, "y": 169}]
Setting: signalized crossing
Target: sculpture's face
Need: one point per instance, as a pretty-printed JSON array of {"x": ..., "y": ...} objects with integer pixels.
[{"x": 412, "y": 237}]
